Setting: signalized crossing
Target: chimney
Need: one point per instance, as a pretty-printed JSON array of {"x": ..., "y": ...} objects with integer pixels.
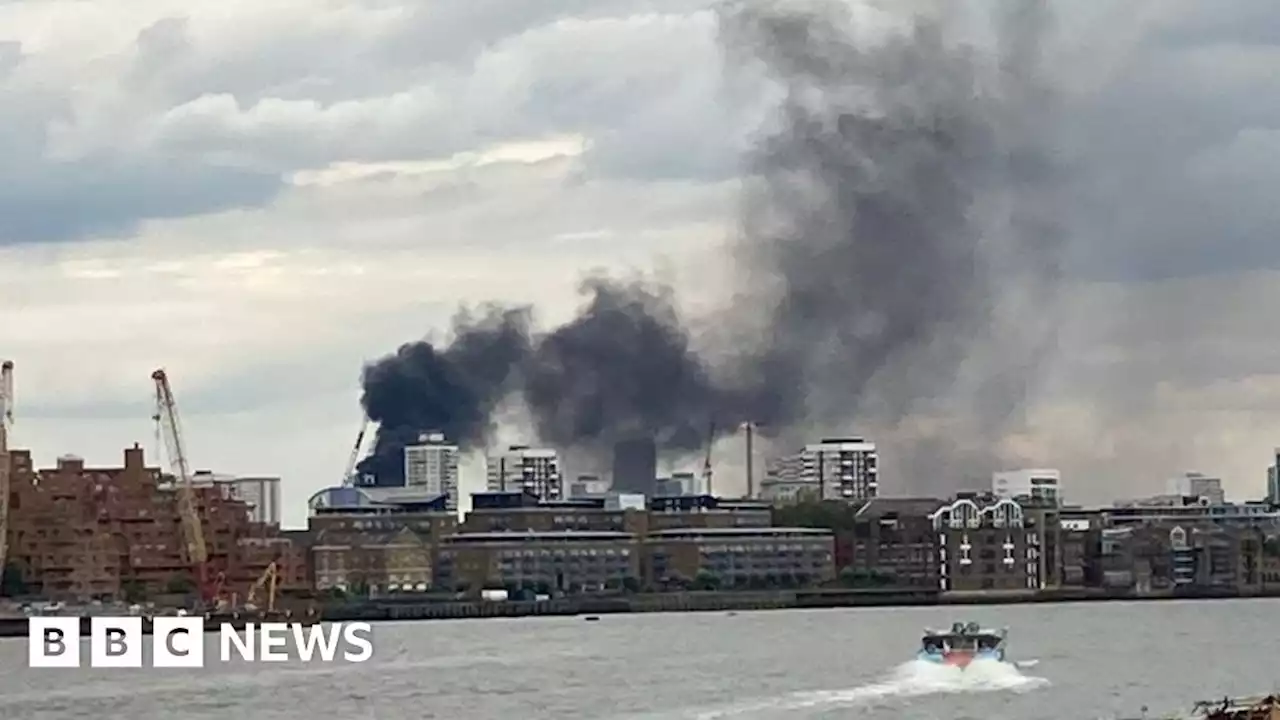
[{"x": 133, "y": 458}]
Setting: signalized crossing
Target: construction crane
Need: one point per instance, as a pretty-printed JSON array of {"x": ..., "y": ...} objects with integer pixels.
[
  {"x": 269, "y": 579},
  {"x": 6, "y": 419},
  {"x": 706, "y": 463},
  {"x": 193, "y": 534},
  {"x": 349, "y": 477}
]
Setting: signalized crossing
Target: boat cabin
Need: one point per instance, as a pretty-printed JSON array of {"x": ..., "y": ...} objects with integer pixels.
[{"x": 971, "y": 637}]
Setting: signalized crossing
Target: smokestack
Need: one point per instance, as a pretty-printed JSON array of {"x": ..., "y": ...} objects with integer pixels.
[{"x": 751, "y": 476}]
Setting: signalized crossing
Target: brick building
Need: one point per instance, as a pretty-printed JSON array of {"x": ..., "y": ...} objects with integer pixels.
[
  {"x": 371, "y": 561},
  {"x": 77, "y": 533},
  {"x": 892, "y": 542},
  {"x": 987, "y": 544}
]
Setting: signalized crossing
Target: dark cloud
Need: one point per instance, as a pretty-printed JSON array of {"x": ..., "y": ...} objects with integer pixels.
[
  {"x": 110, "y": 198},
  {"x": 1178, "y": 149}
]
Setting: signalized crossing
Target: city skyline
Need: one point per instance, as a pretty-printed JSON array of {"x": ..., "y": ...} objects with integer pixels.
[{"x": 182, "y": 191}]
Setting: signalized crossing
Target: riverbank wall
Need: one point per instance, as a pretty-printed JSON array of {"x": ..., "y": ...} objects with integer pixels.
[{"x": 713, "y": 601}]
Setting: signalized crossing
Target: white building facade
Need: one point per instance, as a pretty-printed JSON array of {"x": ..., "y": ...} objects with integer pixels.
[
  {"x": 1043, "y": 485},
  {"x": 523, "y": 468},
  {"x": 431, "y": 466},
  {"x": 1197, "y": 485},
  {"x": 263, "y": 495},
  {"x": 834, "y": 469}
]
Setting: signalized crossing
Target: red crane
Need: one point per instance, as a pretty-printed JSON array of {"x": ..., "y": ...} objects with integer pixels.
[{"x": 193, "y": 534}]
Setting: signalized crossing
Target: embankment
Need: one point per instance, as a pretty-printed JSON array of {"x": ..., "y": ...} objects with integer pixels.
[{"x": 715, "y": 601}]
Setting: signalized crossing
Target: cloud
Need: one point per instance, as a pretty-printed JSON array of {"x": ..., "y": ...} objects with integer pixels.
[{"x": 261, "y": 195}]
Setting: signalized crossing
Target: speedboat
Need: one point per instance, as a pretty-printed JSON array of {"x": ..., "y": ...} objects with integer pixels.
[{"x": 962, "y": 644}]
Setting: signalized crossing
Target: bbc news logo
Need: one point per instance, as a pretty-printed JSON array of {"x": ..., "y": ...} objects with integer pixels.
[{"x": 178, "y": 642}]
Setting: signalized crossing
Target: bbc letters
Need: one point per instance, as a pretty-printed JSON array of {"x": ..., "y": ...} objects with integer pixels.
[{"x": 179, "y": 642}]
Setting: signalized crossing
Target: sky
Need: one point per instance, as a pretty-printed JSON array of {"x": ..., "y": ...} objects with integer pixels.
[{"x": 263, "y": 196}]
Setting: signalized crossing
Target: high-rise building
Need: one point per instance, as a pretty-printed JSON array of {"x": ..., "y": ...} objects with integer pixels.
[
  {"x": 522, "y": 468},
  {"x": 1040, "y": 485},
  {"x": 834, "y": 469},
  {"x": 635, "y": 466},
  {"x": 262, "y": 494},
  {"x": 1273, "y": 480},
  {"x": 432, "y": 466},
  {"x": 1198, "y": 485},
  {"x": 588, "y": 486}
]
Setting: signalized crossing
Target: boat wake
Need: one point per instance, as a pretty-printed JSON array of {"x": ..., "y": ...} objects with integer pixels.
[{"x": 911, "y": 679}]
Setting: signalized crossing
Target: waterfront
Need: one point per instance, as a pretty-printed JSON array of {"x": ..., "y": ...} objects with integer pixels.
[{"x": 1098, "y": 660}]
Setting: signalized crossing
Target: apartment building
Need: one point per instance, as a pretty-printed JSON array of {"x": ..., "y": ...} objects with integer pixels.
[
  {"x": 523, "y": 512},
  {"x": 555, "y": 561},
  {"x": 262, "y": 495},
  {"x": 1041, "y": 485},
  {"x": 1174, "y": 557},
  {"x": 431, "y": 467},
  {"x": 521, "y": 468},
  {"x": 739, "y": 557},
  {"x": 78, "y": 532},
  {"x": 833, "y": 469},
  {"x": 893, "y": 542},
  {"x": 1199, "y": 486},
  {"x": 1080, "y": 540},
  {"x": 984, "y": 543},
  {"x": 373, "y": 562},
  {"x": 55, "y": 541},
  {"x": 430, "y": 523},
  {"x": 707, "y": 511}
]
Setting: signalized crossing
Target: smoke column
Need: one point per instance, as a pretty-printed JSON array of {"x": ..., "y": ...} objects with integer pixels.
[
  {"x": 454, "y": 390},
  {"x": 901, "y": 209},
  {"x": 896, "y": 210}
]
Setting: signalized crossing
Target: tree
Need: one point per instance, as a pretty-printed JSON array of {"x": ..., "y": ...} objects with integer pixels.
[
  {"x": 1271, "y": 546},
  {"x": 11, "y": 583},
  {"x": 334, "y": 593},
  {"x": 132, "y": 590},
  {"x": 851, "y": 577},
  {"x": 834, "y": 515},
  {"x": 631, "y": 584},
  {"x": 706, "y": 580},
  {"x": 180, "y": 585}
]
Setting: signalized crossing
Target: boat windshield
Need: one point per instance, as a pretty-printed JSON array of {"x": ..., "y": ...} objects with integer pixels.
[{"x": 949, "y": 642}]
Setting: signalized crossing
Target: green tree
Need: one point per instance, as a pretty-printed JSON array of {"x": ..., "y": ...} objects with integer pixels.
[
  {"x": 631, "y": 584},
  {"x": 706, "y": 580},
  {"x": 133, "y": 590},
  {"x": 180, "y": 585},
  {"x": 834, "y": 515},
  {"x": 11, "y": 583}
]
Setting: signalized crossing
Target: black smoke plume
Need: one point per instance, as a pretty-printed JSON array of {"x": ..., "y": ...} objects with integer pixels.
[
  {"x": 454, "y": 390},
  {"x": 900, "y": 193}
]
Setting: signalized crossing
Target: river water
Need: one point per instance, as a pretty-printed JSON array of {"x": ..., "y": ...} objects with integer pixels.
[{"x": 1083, "y": 662}]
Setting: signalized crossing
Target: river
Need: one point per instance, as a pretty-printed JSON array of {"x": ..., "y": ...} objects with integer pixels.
[{"x": 1087, "y": 661}]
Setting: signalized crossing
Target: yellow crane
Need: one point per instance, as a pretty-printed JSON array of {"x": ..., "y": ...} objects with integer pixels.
[
  {"x": 269, "y": 579},
  {"x": 197, "y": 554},
  {"x": 6, "y": 419}
]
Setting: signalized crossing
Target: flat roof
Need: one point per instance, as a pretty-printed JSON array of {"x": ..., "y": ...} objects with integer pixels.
[
  {"x": 742, "y": 532},
  {"x": 523, "y": 536}
]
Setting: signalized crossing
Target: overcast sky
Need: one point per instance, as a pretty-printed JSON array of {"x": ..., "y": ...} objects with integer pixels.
[{"x": 261, "y": 196}]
